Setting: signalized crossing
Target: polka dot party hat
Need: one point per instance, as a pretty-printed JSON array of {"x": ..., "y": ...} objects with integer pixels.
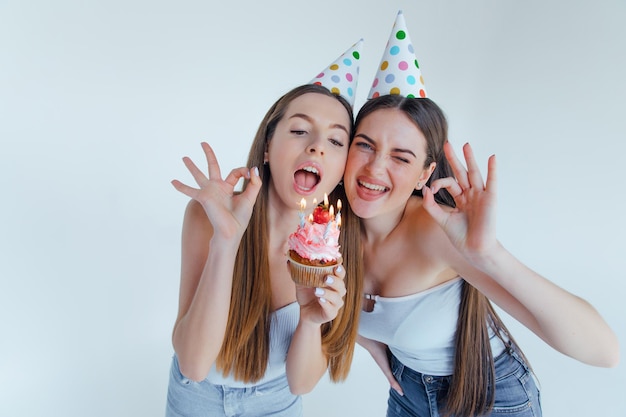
[
  {"x": 398, "y": 72},
  {"x": 341, "y": 77}
]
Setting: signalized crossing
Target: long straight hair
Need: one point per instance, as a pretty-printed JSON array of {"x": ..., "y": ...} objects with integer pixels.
[
  {"x": 245, "y": 350},
  {"x": 472, "y": 386}
]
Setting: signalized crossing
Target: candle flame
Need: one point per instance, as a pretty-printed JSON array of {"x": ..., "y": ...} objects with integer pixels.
[
  {"x": 338, "y": 206},
  {"x": 302, "y": 204},
  {"x": 325, "y": 200}
]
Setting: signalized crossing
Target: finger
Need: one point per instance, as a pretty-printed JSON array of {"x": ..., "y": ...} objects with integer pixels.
[
  {"x": 396, "y": 387},
  {"x": 329, "y": 298},
  {"x": 473, "y": 171},
  {"x": 185, "y": 189},
  {"x": 492, "y": 179},
  {"x": 333, "y": 288},
  {"x": 236, "y": 174},
  {"x": 335, "y": 284},
  {"x": 431, "y": 206},
  {"x": 211, "y": 159},
  {"x": 392, "y": 380},
  {"x": 449, "y": 184},
  {"x": 253, "y": 187},
  {"x": 200, "y": 178},
  {"x": 457, "y": 167},
  {"x": 340, "y": 272}
]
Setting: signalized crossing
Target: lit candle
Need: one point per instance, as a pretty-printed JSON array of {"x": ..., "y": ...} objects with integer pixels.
[
  {"x": 302, "y": 207},
  {"x": 332, "y": 216},
  {"x": 325, "y": 201},
  {"x": 338, "y": 213}
]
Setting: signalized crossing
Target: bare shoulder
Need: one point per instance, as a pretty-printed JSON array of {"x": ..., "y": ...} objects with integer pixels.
[
  {"x": 196, "y": 224},
  {"x": 418, "y": 217},
  {"x": 424, "y": 228},
  {"x": 194, "y": 212}
]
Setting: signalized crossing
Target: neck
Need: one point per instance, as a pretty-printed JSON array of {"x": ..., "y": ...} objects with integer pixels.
[
  {"x": 378, "y": 228},
  {"x": 281, "y": 222}
]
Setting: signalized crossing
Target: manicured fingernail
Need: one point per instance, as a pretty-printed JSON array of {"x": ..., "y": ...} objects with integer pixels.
[
  {"x": 256, "y": 171},
  {"x": 329, "y": 280},
  {"x": 319, "y": 291},
  {"x": 322, "y": 300},
  {"x": 340, "y": 268}
]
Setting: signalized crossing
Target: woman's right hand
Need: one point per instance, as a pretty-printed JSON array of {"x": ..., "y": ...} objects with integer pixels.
[
  {"x": 228, "y": 212},
  {"x": 378, "y": 351}
]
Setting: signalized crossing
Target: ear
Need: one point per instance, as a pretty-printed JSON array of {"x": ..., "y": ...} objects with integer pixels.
[{"x": 426, "y": 173}]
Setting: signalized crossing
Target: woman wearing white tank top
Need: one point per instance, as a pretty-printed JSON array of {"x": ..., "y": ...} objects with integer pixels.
[
  {"x": 436, "y": 336},
  {"x": 416, "y": 246}
]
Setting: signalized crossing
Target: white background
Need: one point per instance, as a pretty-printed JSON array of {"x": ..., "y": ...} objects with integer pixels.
[{"x": 100, "y": 100}]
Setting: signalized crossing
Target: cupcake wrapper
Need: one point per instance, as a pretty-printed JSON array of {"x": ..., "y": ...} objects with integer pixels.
[{"x": 308, "y": 275}]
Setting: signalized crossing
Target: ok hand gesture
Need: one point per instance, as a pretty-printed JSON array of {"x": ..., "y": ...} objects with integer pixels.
[
  {"x": 471, "y": 227},
  {"x": 229, "y": 212}
]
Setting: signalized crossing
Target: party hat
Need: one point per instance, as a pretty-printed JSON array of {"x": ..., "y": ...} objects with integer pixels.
[
  {"x": 399, "y": 73},
  {"x": 342, "y": 75}
]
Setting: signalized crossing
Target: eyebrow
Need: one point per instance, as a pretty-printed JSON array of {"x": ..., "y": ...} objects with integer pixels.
[
  {"x": 373, "y": 142},
  {"x": 310, "y": 120}
]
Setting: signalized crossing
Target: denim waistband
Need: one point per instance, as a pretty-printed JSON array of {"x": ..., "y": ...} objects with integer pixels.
[{"x": 510, "y": 350}]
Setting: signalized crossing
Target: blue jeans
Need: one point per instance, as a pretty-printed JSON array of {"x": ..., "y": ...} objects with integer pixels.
[
  {"x": 516, "y": 393},
  {"x": 187, "y": 398}
]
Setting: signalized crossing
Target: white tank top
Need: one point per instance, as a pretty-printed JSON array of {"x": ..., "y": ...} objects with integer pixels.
[
  {"x": 282, "y": 327},
  {"x": 420, "y": 328}
]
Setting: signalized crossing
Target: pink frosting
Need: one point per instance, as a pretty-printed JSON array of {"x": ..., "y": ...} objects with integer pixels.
[{"x": 309, "y": 241}]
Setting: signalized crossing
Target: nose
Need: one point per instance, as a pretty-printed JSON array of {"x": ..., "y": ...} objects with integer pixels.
[
  {"x": 376, "y": 163},
  {"x": 316, "y": 145}
]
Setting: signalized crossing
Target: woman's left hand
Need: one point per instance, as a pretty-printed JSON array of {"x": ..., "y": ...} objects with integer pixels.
[
  {"x": 563, "y": 320},
  {"x": 321, "y": 304},
  {"x": 471, "y": 227}
]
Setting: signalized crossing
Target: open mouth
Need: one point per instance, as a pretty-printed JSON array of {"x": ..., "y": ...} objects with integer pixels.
[
  {"x": 307, "y": 178},
  {"x": 374, "y": 188}
]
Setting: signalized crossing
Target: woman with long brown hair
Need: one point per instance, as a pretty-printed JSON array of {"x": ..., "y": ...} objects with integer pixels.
[
  {"x": 432, "y": 265},
  {"x": 248, "y": 340}
]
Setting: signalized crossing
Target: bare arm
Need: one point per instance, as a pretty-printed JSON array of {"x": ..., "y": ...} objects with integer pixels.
[
  {"x": 564, "y": 321},
  {"x": 378, "y": 351},
  {"x": 306, "y": 360},
  {"x": 214, "y": 223},
  {"x": 204, "y": 300}
]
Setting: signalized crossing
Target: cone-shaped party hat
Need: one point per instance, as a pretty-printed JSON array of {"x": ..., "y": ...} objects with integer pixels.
[
  {"x": 341, "y": 77},
  {"x": 399, "y": 72}
]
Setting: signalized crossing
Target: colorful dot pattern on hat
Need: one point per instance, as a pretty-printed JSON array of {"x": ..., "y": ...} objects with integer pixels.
[
  {"x": 341, "y": 77},
  {"x": 399, "y": 72}
]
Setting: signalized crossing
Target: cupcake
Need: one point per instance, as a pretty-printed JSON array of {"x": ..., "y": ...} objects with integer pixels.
[{"x": 314, "y": 246}]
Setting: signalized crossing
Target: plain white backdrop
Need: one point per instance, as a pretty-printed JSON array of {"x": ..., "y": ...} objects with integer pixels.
[{"x": 99, "y": 100}]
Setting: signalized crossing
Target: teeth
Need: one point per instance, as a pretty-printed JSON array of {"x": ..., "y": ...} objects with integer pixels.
[
  {"x": 312, "y": 170},
  {"x": 372, "y": 187}
]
